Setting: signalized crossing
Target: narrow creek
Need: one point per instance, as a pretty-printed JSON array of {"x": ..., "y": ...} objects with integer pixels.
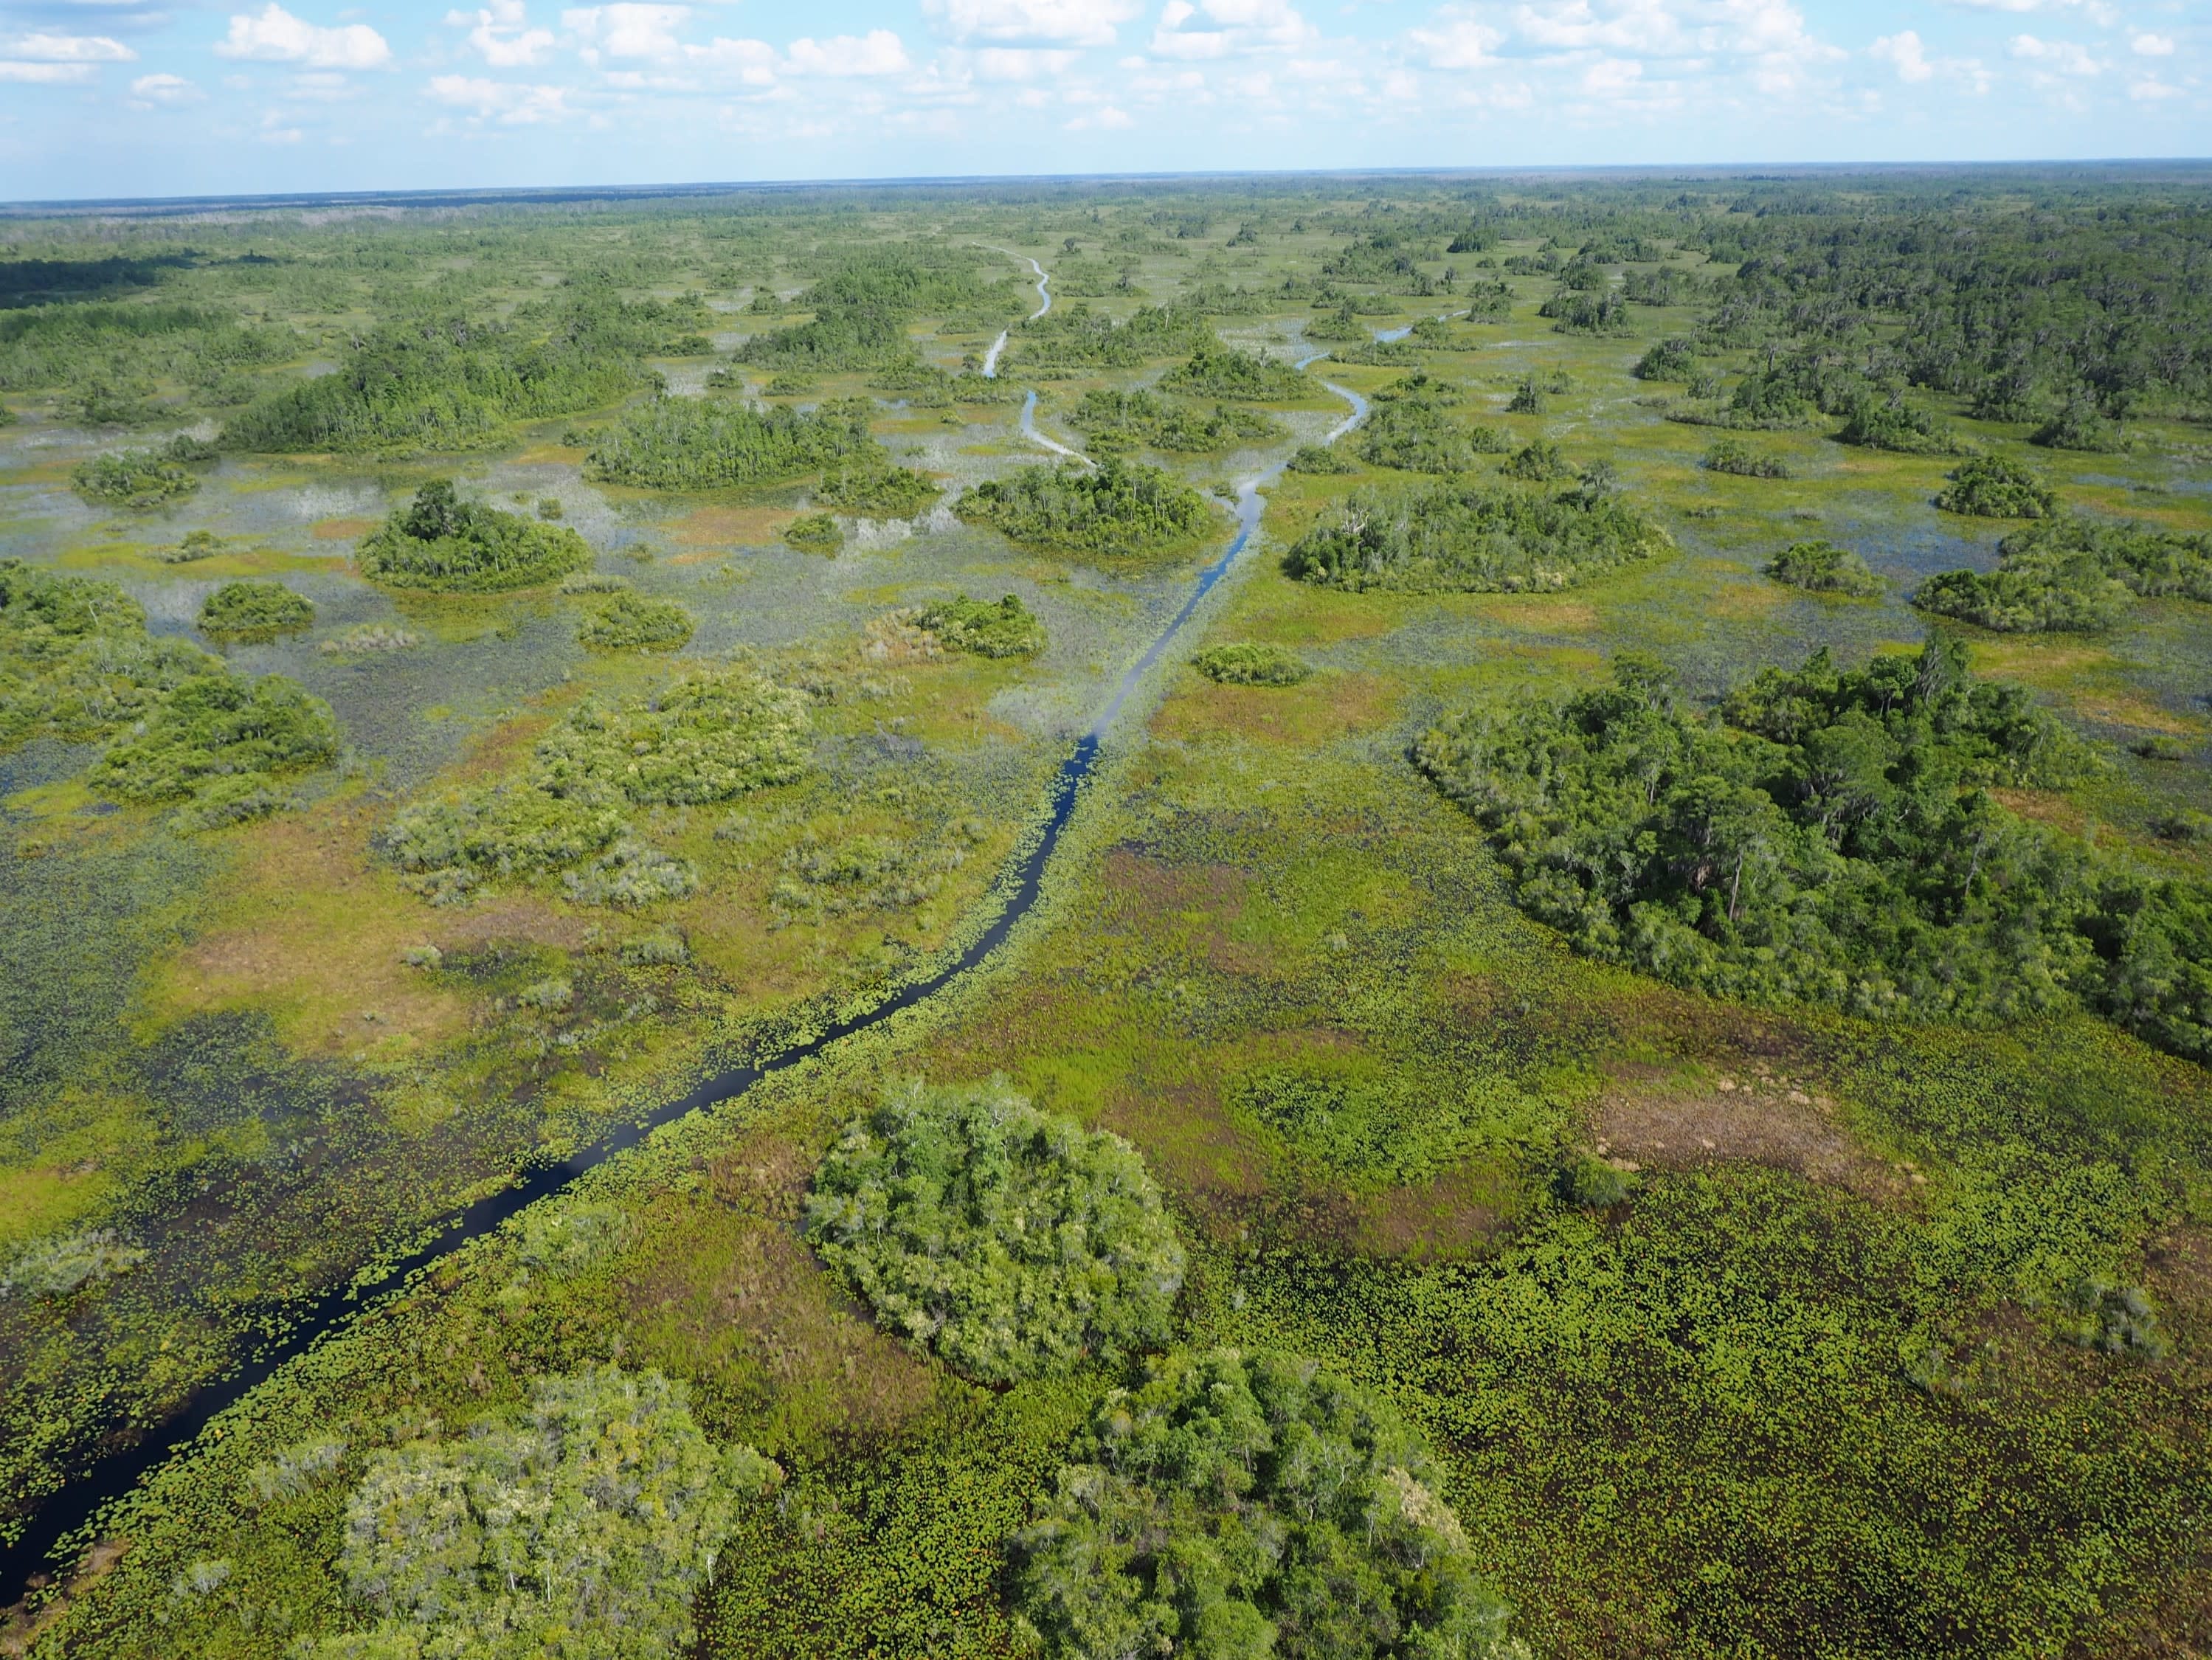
[{"x": 53, "y": 1535}]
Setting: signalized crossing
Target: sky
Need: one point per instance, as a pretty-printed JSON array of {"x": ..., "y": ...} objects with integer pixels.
[{"x": 154, "y": 98}]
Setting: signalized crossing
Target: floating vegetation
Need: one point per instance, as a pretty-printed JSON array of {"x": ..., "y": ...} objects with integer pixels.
[{"x": 57, "y": 1266}]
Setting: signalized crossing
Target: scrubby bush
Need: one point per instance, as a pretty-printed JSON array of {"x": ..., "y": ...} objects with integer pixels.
[
  {"x": 983, "y": 629},
  {"x": 1128, "y": 420},
  {"x": 254, "y": 611},
  {"x": 1733, "y": 455},
  {"x": 197, "y": 545},
  {"x": 884, "y": 492},
  {"x": 2074, "y": 575},
  {"x": 711, "y": 735},
  {"x": 1580, "y": 312},
  {"x": 1537, "y": 463},
  {"x": 1321, "y": 459},
  {"x": 1991, "y": 487},
  {"x": 592, "y": 581},
  {"x": 222, "y": 748},
  {"x": 584, "y": 1522},
  {"x": 1821, "y": 567},
  {"x": 1010, "y": 1242},
  {"x": 1891, "y": 423},
  {"x": 814, "y": 533},
  {"x": 131, "y": 478},
  {"x": 1252, "y": 664},
  {"x": 440, "y": 542},
  {"x": 1077, "y": 336},
  {"x": 1668, "y": 359},
  {"x": 1589, "y": 1183},
  {"x": 1472, "y": 538},
  {"x": 1414, "y": 436},
  {"x": 1248, "y": 1505},
  {"x": 1119, "y": 508},
  {"x": 1216, "y": 370},
  {"x": 632, "y": 622},
  {"x": 1830, "y": 837},
  {"x": 2081, "y": 425},
  {"x": 713, "y": 443}
]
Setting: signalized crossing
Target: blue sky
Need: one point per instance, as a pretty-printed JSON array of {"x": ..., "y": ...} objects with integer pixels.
[{"x": 171, "y": 97}]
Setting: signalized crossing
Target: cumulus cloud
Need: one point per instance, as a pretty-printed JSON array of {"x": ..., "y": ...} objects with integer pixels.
[
  {"x": 2150, "y": 90},
  {"x": 2153, "y": 46},
  {"x": 502, "y": 34},
  {"x": 1904, "y": 52},
  {"x": 44, "y": 74},
  {"x": 1456, "y": 42},
  {"x": 1228, "y": 28},
  {"x": 67, "y": 49},
  {"x": 877, "y": 52},
  {"x": 2057, "y": 57},
  {"x": 1038, "y": 23},
  {"x": 1106, "y": 118},
  {"x": 274, "y": 36},
  {"x": 509, "y": 103},
  {"x": 1021, "y": 63},
  {"x": 753, "y": 62},
  {"x": 163, "y": 91},
  {"x": 628, "y": 30}
]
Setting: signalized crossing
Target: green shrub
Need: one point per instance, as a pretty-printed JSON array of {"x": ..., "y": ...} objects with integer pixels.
[
  {"x": 1007, "y": 628},
  {"x": 1119, "y": 508},
  {"x": 223, "y": 748},
  {"x": 1668, "y": 359},
  {"x": 1012, "y": 1244},
  {"x": 1821, "y": 567},
  {"x": 1830, "y": 837},
  {"x": 131, "y": 478},
  {"x": 1125, "y": 420},
  {"x": 592, "y": 581},
  {"x": 1414, "y": 436},
  {"x": 1216, "y": 370},
  {"x": 715, "y": 443},
  {"x": 1589, "y": 1183},
  {"x": 442, "y": 543},
  {"x": 583, "y": 1524},
  {"x": 1246, "y": 1505},
  {"x": 254, "y": 611},
  {"x": 631, "y": 622},
  {"x": 1733, "y": 455},
  {"x": 1472, "y": 538},
  {"x": 1321, "y": 459},
  {"x": 197, "y": 545},
  {"x": 1247, "y": 664},
  {"x": 1891, "y": 423},
  {"x": 1537, "y": 463},
  {"x": 2073, "y": 574},
  {"x": 814, "y": 533},
  {"x": 1579, "y": 312},
  {"x": 2080, "y": 426},
  {"x": 881, "y": 492},
  {"x": 1077, "y": 336},
  {"x": 1991, "y": 487}
]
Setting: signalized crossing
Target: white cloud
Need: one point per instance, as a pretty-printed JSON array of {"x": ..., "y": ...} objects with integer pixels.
[
  {"x": 1456, "y": 42},
  {"x": 1609, "y": 77},
  {"x": 46, "y": 74},
  {"x": 502, "y": 34},
  {"x": 512, "y": 104},
  {"x": 2059, "y": 57},
  {"x": 1904, "y": 53},
  {"x": 1021, "y": 63},
  {"x": 753, "y": 61},
  {"x": 67, "y": 49},
  {"x": 277, "y": 37},
  {"x": 2153, "y": 46},
  {"x": 2099, "y": 11},
  {"x": 1039, "y": 22},
  {"x": 628, "y": 30},
  {"x": 2150, "y": 89},
  {"x": 1228, "y": 28},
  {"x": 149, "y": 91},
  {"x": 1106, "y": 118},
  {"x": 877, "y": 52}
]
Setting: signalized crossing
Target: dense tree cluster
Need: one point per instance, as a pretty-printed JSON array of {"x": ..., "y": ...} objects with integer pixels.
[
  {"x": 863, "y": 305},
  {"x": 251, "y": 611},
  {"x": 711, "y": 735},
  {"x": 1821, "y": 567},
  {"x": 983, "y": 628},
  {"x": 1118, "y": 508},
  {"x": 442, "y": 543},
  {"x": 1240, "y": 1506},
  {"x": 107, "y": 361},
  {"x": 1827, "y": 835},
  {"x": 1216, "y": 370},
  {"x": 1076, "y": 336},
  {"x": 582, "y": 1524},
  {"x": 2071, "y": 574},
  {"x": 1733, "y": 455},
  {"x": 1121, "y": 420},
  {"x": 1010, "y": 1242},
  {"x": 715, "y": 443},
  {"x": 1464, "y": 536},
  {"x": 867, "y": 484},
  {"x": 1414, "y": 434},
  {"x": 1991, "y": 487},
  {"x": 1248, "y": 663}
]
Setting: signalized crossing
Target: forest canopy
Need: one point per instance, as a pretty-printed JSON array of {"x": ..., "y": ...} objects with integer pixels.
[
  {"x": 1473, "y": 537},
  {"x": 1116, "y": 508}
]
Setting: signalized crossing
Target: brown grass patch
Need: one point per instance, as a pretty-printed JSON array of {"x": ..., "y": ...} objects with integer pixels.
[
  {"x": 1742, "y": 1118},
  {"x": 719, "y": 527},
  {"x": 1452, "y": 1216},
  {"x": 341, "y": 530},
  {"x": 1542, "y": 615},
  {"x": 1325, "y": 707}
]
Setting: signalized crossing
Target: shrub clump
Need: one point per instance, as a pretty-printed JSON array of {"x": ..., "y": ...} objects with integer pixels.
[
  {"x": 883, "y": 492},
  {"x": 633, "y": 622},
  {"x": 1216, "y": 370},
  {"x": 1324, "y": 460},
  {"x": 1246, "y": 663},
  {"x": 1891, "y": 423},
  {"x": 982, "y": 627},
  {"x": 1119, "y": 508},
  {"x": 254, "y": 611},
  {"x": 2080, "y": 426},
  {"x": 1829, "y": 836},
  {"x": 586, "y": 1522},
  {"x": 711, "y": 735},
  {"x": 132, "y": 479},
  {"x": 1131, "y": 420},
  {"x": 1991, "y": 487},
  {"x": 1673, "y": 359},
  {"x": 1414, "y": 435},
  {"x": 1821, "y": 567},
  {"x": 814, "y": 533},
  {"x": 1733, "y": 455},
  {"x": 1468, "y": 538},
  {"x": 2071, "y": 574},
  {"x": 1248, "y": 1505},
  {"x": 715, "y": 443},
  {"x": 1537, "y": 463},
  {"x": 444, "y": 544},
  {"x": 222, "y": 748},
  {"x": 1012, "y": 1244}
]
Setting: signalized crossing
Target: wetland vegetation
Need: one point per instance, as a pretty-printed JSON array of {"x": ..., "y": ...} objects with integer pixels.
[{"x": 1597, "y": 1045}]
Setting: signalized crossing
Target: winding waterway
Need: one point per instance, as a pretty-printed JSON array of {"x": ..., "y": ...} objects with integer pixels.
[{"x": 59, "y": 1527}]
